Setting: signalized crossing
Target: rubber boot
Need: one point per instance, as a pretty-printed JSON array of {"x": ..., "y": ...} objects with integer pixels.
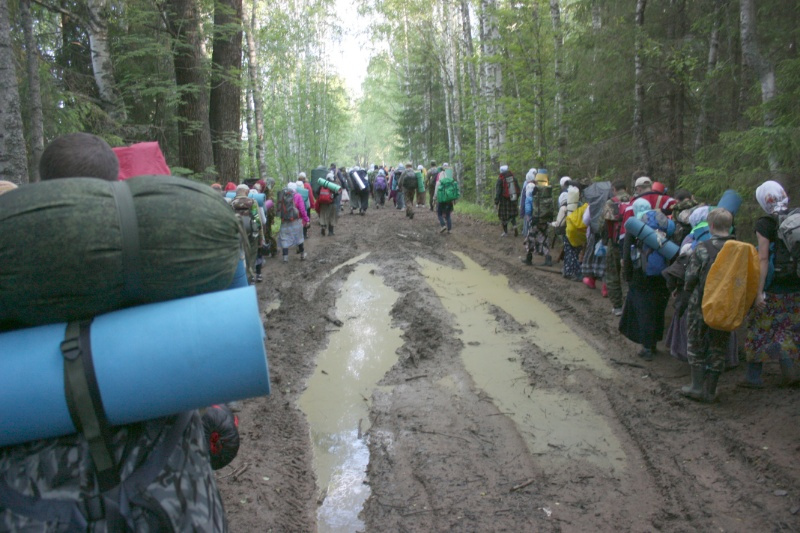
[
  {"x": 604, "y": 291},
  {"x": 548, "y": 260},
  {"x": 695, "y": 390},
  {"x": 710, "y": 387},
  {"x": 528, "y": 259},
  {"x": 787, "y": 371},
  {"x": 330, "y": 230},
  {"x": 752, "y": 378}
]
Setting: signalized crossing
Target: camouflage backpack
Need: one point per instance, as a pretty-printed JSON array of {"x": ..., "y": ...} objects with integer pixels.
[
  {"x": 167, "y": 483},
  {"x": 247, "y": 214}
]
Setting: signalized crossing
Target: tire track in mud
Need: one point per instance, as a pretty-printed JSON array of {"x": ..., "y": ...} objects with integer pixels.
[
  {"x": 443, "y": 457},
  {"x": 687, "y": 498}
]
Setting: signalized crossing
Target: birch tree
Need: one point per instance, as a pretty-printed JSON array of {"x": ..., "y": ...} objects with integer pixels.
[
  {"x": 558, "y": 46},
  {"x": 759, "y": 64},
  {"x": 255, "y": 91},
  {"x": 101, "y": 59}
]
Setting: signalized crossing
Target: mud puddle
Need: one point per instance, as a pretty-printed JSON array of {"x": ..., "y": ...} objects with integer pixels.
[
  {"x": 336, "y": 400},
  {"x": 563, "y": 427}
]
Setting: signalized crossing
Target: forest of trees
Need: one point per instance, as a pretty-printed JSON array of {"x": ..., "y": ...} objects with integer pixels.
[{"x": 697, "y": 93}]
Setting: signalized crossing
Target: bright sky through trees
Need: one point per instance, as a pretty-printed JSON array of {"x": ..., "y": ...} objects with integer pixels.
[{"x": 351, "y": 52}]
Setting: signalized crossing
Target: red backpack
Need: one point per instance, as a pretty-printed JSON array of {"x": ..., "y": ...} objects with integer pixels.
[{"x": 325, "y": 196}]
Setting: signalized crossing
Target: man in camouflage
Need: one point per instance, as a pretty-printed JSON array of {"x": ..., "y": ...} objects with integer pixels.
[
  {"x": 707, "y": 347},
  {"x": 613, "y": 240}
]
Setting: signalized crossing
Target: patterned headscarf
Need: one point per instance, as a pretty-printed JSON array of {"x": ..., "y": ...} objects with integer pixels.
[
  {"x": 640, "y": 207},
  {"x": 771, "y": 197}
]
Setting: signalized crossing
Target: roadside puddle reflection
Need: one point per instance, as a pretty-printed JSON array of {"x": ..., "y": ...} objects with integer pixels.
[
  {"x": 336, "y": 399},
  {"x": 563, "y": 427}
]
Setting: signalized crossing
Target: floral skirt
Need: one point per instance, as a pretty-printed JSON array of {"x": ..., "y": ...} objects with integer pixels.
[{"x": 773, "y": 333}]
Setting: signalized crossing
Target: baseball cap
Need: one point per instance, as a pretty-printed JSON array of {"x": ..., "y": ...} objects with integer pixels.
[{"x": 644, "y": 180}]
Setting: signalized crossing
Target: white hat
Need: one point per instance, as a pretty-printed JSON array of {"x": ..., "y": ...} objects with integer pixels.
[
  {"x": 446, "y": 165},
  {"x": 643, "y": 181},
  {"x": 420, "y": 167},
  {"x": 242, "y": 187},
  {"x": 292, "y": 185},
  {"x": 503, "y": 168},
  {"x": 563, "y": 181},
  {"x": 301, "y": 175}
]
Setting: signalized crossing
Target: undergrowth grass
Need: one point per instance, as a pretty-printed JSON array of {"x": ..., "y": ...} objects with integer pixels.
[{"x": 487, "y": 214}]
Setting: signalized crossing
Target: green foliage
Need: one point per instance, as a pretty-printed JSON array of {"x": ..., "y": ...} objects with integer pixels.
[{"x": 476, "y": 211}]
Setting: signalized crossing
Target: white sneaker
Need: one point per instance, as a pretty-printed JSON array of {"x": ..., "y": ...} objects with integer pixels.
[
  {"x": 504, "y": 234},
  {"x": 443, "y": 229},
  {"x": 303, "y": 256},
  {"x": 617, "y": 311},
  {"x": 285, "y": 258}
]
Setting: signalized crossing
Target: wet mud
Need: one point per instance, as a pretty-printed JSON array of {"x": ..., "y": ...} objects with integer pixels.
[{"x": 429, "y": 382}]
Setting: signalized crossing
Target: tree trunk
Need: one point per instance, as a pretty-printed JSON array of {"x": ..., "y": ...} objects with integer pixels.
[
  {"x": 758, "y": 64},
  {"x": 226, "y": 91},
  {"x": 258, "y": 103},
  {"x": 711, "y": 66},
  {"x": 252, "y": 168},
  {"x": 558, "y": 46},
  {"x": 194, "y": 133},
  {"x": 480, "y": 170},
  {"x": 13, "y": 158},
  {"x": 101, "y": 60},
  {"x": 493, "y": 79},
  {"x": 638, "y": 103},
  {"x": 34, "y": 91}
]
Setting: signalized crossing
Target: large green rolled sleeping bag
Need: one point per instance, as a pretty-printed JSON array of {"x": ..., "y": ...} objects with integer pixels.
[{"x": 62, "y": 256}]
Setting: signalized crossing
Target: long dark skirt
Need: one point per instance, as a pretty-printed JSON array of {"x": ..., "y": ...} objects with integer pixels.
[{"x": 642, "y": 318}]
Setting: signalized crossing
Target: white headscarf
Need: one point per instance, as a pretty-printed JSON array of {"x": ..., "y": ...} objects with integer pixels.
[
  {"x": 503, "y": 168},
  {"x": 300, "y": 185},
  {"x": 771, "y": 197},
  {"x": 292, "y": 186},
  {"x": 698, "y": 215},
  {"x": 564, "y": 180},
  {"x": 531, "y": 175}
]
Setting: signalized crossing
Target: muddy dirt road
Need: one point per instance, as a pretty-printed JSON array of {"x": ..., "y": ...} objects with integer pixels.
[{"x": 508, "y": 401}]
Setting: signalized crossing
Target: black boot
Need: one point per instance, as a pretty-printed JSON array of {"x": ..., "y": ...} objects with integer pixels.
[
  {"x": 710, "y": 392},
  {"x": 695, "y": 391},
  {"x": 548, "y": 261},
  {"x": 323, "y": 231},
  {"x": 330, "y": 230},
  {"x": 528, "y": 259}
]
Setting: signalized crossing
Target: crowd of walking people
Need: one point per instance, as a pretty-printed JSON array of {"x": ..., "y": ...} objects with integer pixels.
[{"x": 665, "y": 248}]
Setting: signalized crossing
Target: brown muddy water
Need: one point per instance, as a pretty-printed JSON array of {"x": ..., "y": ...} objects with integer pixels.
[
  {"x": 336, "y": 400},
  {"x": 563, "y": 426}
]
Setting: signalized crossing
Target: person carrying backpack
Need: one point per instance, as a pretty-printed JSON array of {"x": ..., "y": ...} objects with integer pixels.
[
  {"x": 612, "y": 238},
  {"x": 430, "y": 182},
  {"x": 773, "y": 328},
  {"x": 292, "y": 210},
  {"x": 707, "y": 347},
  {"x": 247, "y": 212},
  {"x": 408, "y": 180},
  {"x": 642, "y": 319},
  {"x": 446, "y": 192},
  {"x": 159, "y": 476},
  {"x": 537, "y": 214},
  {"x": 506, "y": 196},
  {"x": 379, "y": 189}
]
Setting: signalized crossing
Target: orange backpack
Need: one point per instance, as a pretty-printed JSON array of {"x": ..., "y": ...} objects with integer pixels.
[{"x": 731, "y": 286}]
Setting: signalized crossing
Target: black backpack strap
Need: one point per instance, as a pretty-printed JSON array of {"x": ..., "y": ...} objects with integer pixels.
[
  {"x": 132, "y": 287},
  {"x": 84, "y": 402}
]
